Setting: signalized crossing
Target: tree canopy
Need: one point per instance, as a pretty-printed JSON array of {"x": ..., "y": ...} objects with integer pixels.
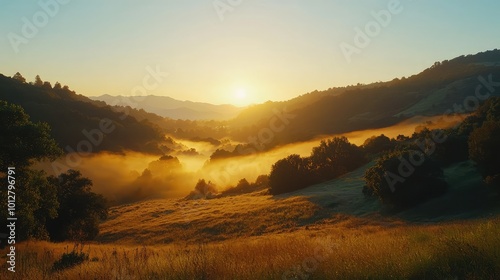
[
  {"x": 80, "y": 210},
  {"x": 404, "y": 178},
  {"x": 23, "y": 140},
  {"x": 484, "y": 149},
  {"x": 46, "y": 207}
]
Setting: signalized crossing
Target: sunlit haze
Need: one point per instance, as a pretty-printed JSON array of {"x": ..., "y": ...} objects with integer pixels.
[{"x": 244, "y": 53}]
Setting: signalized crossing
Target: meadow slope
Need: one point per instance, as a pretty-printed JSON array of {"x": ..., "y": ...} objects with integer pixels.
[
  {"x": 327, "y": 231},
  {"x": 255, "y": 214}
]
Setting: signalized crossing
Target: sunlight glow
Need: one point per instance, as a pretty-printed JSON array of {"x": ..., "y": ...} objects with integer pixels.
[
  {"x": 241, "y": 94},
  {"x": 240, "y": 97}
]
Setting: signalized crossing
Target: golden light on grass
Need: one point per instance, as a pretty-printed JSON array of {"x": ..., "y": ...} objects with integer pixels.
[{"x": 357, "y": 251}]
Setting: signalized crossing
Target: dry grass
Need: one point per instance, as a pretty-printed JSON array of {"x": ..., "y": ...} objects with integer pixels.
[
  {"x": 166, "y": 221},
  {"x": 347, "y": 250},
  {"x": 303, "y": 235}
]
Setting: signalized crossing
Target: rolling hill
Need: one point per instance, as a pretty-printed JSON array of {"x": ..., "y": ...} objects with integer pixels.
[
  {"x": 434, "y": 91},
  {"x": 175, "y": 109},
  {"x": 75, "y": 119},
  {"x": 259, "y": 213}
]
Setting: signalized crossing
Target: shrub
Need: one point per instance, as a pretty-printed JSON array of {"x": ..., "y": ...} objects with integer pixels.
[
  {"x": 404, "y": 178},
  {"x": 203, "y": 190},
  {"x": 290, "y": 174},
  {"x": 329, "y": 160},
  {"x": 70, "y": 259},
  {"x": 335, "y": 157},
  {"x": 484, "y": 149},
  {"x": 243, "y": 186},
  {"x": 378, "y": 144}
]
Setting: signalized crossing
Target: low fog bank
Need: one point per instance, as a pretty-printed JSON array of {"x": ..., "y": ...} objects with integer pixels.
[{"x": 132, "y": 176}]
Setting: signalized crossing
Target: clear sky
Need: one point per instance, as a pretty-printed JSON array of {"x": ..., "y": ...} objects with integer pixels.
[{"x": 236, "y": 51}]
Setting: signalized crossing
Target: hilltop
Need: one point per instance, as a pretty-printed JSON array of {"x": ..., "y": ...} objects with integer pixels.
[
  {"x": 433, "y": 92},
  {"x": 174, "y": 109},
  {"x": 75, "y": 119},
  {"x": 437, "y": 90}
]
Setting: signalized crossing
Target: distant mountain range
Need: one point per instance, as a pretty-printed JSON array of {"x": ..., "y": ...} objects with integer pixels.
[{"x": 172, "y": 108}]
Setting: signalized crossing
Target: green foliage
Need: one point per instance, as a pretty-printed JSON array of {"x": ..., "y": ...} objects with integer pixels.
[
  {"x": 36, "y": 202},
  {"x": 38, "y": 81},
  {"x": 398, "y": 182},
  {"x": 47, "y": 85},
  {"x": 59, "y": 106},
  {"x": 335, "y": 157},
  {"x": 69, "y": 260},
  {"x": 220, "y": 154},
  {"x": 22, "y": 140},
  {"x": 488, "y": 111},
  {"x": 243, "y": 186},
  {"x": 203, "y": 189},
  {"x": 290, "y": 174},
  {"x": 19, "y": 77},
  {"x": 80, "y": 210},
  {"x": 484, "y": 149},
  {"x": 362, "y": 107},
  {"x": 59, "y": 208},
  {"x": 454, "y": 149},
  {"x": 329, "y": 160},
  {"x": 378, "y": 144}
]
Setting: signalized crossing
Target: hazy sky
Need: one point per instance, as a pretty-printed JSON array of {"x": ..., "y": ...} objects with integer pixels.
[{"x": 236, "y": 51}]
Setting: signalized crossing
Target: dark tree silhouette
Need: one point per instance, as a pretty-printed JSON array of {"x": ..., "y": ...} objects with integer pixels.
[
  {"x": 378, "y": 144},
  {"x": 38, "y": 81},
  {"x": 484, "y": 149},
  {"x": 220, "y": 154},
  {"x": 56, "y": 107},
  {"x": 398, "y": 181},
  {"x": 203, "y": 190},
  {"x": 335, "y": 157},
  {"x": 19, "y": 77},
  {"x": 22, "y": 142},
  {"x": 47, "y": 85},
  {"x": 80, "y": 210},
  {"x": 289, "y": 174}
]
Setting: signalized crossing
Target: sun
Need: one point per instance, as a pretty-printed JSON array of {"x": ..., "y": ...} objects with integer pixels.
[
  {"x": 240, "y": 97},
  {"x": 240, "y": 94}
]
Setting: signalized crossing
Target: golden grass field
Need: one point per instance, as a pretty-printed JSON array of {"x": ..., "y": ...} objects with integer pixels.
[
  {"x": 349, "y": 249},
  {"x": 327, "y": 231},
  {"x": 301, "y": 235}
]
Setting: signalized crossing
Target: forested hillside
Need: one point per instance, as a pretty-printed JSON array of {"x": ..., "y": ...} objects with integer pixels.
[
  {"x": 74, "y": 118},
  {"x": 434, "y": 91}
]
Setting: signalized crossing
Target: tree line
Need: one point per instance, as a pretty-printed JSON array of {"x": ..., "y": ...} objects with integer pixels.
[
  {"x": 47, "y": 207},
  {"x": 406, "y": 170}
]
